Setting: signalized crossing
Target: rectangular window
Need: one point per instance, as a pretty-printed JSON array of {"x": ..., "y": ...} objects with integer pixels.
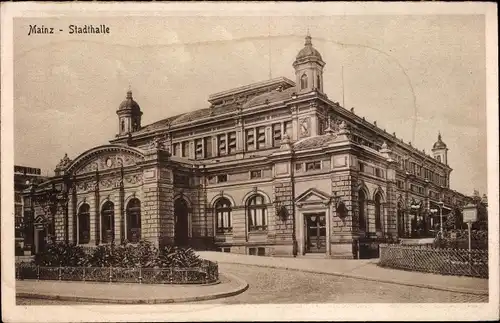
[
  {"x": 257, "y": 218},
  {"x": 298, "y": 167},
  {"x": 221, "y": 178},
  {"x": 315, "y": 165},
  {"x": 176, "y": 150},
  {"x": 261, "y": 251},
  {"x": 185, "y": 149},
  {"x": 288, "y": 128},
  {"x": 221, "y": 142},
  {"x": 255, "y": 174},
  {"x": 261, "y": 137},
  {"x": 198, "y": 148},
  {"x": 361, "y": 167},
  {"x": 250, "y": 139},
  {"x": 276, "y": 134},
  {"x": 377, "y": 172},
  {"x": 208, "y": 147},
  {"x": 232, "y": 142},
  {"x": 252, "y": 251}
]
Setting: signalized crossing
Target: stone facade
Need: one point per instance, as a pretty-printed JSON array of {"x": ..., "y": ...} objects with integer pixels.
[{"x": 271, "y": 168}]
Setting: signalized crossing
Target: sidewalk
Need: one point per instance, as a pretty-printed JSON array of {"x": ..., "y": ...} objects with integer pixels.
[
  {"x": 359, "y": 269},
  {"x": 129, "y": 293}
]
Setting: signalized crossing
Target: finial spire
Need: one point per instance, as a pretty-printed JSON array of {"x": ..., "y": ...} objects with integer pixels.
[
  {"x": 439, "y": 135},
  {"x": 308, "y": 39},
  {"x": 129, "y": 92}
]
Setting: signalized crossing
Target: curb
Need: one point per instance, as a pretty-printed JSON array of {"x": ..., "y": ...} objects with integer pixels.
[
  {"x": 242, "y": 286},
  {"x": 395, "y": 282}
]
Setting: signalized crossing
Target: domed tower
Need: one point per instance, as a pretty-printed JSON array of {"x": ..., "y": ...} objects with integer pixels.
[
  {"x": 440, "y": 151},
  {"x": 308, "y": 69},
  {"x": 129, "y": 115}
]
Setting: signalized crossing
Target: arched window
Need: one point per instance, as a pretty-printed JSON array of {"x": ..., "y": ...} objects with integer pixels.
[
  {"x": 257, "y": 213},
  {"x": 123, "y": 125},
  {"x": 438, "y": 158},
  {"x": 303, "y": 82},
  {"x": 134, "y": 220},
  {"x": 378, "y": 206},
  {"x": 84, "y": 224},
  {"x": 223, "y": 215},
  {"x": 318, "y": 82},
  {"x": 108, "y": 222},
  {"x": 361, "y": 207}
]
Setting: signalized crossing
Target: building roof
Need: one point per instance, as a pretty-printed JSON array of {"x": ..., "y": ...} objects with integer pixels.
[
  {"x": 282, "y": 90},
  {"x": 129, "y": 103},
  {"x": 308, "y": 50},
  {"x": 313, "y": 142},
  {"x": 439, "y": 144},
  {"x": 269, "y": 97}
]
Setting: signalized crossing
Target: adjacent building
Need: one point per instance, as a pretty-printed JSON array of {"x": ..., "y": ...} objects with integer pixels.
[
  {"x": 270, "y": 168},
  {"x": 23, "y": 178}
]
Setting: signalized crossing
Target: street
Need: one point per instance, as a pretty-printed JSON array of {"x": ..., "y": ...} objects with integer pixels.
[{"x": 269, "y": 285}]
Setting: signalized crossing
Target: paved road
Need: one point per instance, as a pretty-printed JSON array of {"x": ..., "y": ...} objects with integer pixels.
[{"x": 286, "y": 286}]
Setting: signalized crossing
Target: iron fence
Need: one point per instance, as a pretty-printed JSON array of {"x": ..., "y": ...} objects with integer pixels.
[
  {"x": 206, "y": 273},
  {"x": 458, "y": 262}
]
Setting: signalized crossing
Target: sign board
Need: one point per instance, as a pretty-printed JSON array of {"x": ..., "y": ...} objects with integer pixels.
[{"x": 470, "y": 215}]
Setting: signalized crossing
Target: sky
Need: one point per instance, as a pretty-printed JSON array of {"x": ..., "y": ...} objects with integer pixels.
[{"x": 414, "y": 75}]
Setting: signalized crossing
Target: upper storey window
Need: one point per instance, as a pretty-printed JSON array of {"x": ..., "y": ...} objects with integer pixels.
[
  {"x": 276, "y": 134},
  {"x": 232, "y": 142},
  {"x": 438, "y": 158},
  {"x": 185, "y": 149},
  {"x": 198, "y": 143},
  {"x": 208, "y": 147},
  {"x": 221, "y": 141},
  {"x": 303, "y": 82},
  {"x": 250, "y": 139},
  {"x": 261, "y": 137}
]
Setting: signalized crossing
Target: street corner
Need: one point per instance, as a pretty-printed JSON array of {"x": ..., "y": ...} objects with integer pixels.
[{"x": 93, "y": 293}]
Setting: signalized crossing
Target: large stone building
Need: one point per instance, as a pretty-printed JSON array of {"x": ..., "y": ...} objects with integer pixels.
[
  {"x": 273, "y": 168},
  {"x": 23, "y": 177}
]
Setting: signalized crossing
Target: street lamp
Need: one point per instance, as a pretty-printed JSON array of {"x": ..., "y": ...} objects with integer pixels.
[
  {"x": 441, "y": 204},
  {"x": 469, "y": 216}
]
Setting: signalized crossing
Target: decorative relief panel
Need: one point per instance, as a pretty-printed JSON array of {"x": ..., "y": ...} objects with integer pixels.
[
  {"x": 107, "y": 162},
  {"x": 305, "y": 127},
  {"x": 107, "y": 183},
  {"x": 133, "y": 179}
]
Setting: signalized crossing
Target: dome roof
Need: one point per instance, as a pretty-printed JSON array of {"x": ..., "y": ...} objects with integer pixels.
[
  {"x": 439, "y": 144},
  {"x": 308, "y": 50},
  {"x": 129, "y": 103}
]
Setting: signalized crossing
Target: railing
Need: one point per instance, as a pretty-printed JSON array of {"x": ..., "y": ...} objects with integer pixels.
[
  {"x": 458, "y": 262},
  {"x": 206, "y": 273}
]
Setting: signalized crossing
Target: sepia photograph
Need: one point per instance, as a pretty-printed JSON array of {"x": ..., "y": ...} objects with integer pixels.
[{"x": 295, "y": 161}]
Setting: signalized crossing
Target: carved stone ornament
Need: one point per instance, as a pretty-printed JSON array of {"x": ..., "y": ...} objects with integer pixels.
[
  {"x": 64, "y": 162},
  {"x": 107, "y": 183},
  {"x": 134, "y": 179},
  {"x": 282, "y": 213}
]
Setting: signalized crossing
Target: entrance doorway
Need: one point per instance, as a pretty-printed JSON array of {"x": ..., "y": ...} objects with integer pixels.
[
  {"x": 181, "y": 222},
  {"x": 40, "y": 237},
  {"x": 315, "y": 229}
]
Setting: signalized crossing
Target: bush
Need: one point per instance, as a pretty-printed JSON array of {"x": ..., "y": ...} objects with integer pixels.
[
  {"x": 126, "y": 255},
  {"x": 459, "y": 239},
  {"x": 62, "y": 254}
]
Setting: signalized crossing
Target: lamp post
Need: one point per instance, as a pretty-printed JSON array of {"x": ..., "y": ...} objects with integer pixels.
[
  {"x": 469, "y": 216},
  {"x": 440, "y": 203}
]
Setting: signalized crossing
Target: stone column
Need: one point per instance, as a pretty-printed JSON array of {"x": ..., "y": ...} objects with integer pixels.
[
  {"x": 157, "y": 214},
  {"x": 93, "y": 219},
  {"x": 71, "y": 215},
  {"x": 344, "y": 227}
]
